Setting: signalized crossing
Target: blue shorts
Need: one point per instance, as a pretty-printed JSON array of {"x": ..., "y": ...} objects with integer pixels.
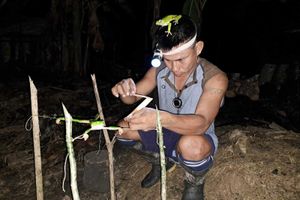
[{"x": 171, "y": 139}]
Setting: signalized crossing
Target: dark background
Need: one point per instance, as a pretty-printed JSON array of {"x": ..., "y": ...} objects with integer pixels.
[{"x": 239, "y": 35}]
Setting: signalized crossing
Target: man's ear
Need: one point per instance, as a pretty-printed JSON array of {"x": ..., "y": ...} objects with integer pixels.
[{"x": 199, "y": 46}]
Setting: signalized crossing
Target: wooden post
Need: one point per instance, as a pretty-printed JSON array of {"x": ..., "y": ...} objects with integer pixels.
[
  {"x": 36, "y": 141},
  {"x": 109, "y": 144}
]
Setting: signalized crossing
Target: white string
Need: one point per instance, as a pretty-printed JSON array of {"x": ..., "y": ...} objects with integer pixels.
[
  {"x": 28, "y": 126},
  {"x": 65, "y": 173},
  {"x": 79, "y": 137}
]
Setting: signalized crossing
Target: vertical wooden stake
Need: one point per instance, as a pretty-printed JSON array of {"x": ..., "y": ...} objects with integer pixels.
[
  {"x": 109, "y": 144},
  {"x": 162, "y": 156},
  {"x": 36, "y": 141},
  {"x": 72, "y": 160}
]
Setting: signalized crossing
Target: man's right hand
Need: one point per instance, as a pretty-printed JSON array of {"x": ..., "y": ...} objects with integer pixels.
[{"x": 124, "y": 88}]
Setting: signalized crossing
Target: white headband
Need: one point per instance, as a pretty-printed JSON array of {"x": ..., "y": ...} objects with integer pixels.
[{"x": 185, "y": 46}]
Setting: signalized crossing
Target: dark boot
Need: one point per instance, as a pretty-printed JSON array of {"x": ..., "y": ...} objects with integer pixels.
[
  {"x": 194, "y": 182},
  {"x": 194, "y": 186},
  {"x": 155, "y": 174}
]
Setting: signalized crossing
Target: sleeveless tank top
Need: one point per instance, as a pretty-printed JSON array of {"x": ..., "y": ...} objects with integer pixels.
[{"x": 190, "y": 95}]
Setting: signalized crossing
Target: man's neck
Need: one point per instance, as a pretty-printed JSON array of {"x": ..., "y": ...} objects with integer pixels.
[{"x": 181, "y": 81}]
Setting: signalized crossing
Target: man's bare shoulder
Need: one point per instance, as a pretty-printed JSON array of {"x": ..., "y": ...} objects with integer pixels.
[
  {"x": 217, "y": 84},
  {"x": 210, "y": 70}
]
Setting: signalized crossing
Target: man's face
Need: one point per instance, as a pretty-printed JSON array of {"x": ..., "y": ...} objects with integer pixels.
[{"x": 182, "y": 63}]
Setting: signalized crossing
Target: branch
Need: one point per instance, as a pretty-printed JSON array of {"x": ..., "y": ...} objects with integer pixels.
[{"x": 109, "y": 144}]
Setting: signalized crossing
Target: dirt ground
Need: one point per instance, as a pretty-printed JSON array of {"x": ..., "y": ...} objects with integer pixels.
[{"x": 253, "y": 161}]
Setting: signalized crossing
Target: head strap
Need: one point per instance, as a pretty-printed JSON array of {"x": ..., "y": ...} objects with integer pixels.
[{"x": 182, "y": 47}]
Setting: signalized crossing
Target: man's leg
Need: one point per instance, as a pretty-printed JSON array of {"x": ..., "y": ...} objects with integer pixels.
[
  {"x": 145, "y": 144},
  {"x": 195, "y": 156},
  {"x": 149, "y": 140}
]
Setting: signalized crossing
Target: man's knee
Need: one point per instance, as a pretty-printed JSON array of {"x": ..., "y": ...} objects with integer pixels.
[
  {"x": 194, "y": 147},
  {"x": 194, "y": 154}
]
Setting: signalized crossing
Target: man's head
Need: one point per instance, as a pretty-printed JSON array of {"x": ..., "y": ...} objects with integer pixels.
[
  {"x": 180, "y": 48},
  {"x": 182, "y": 31}
]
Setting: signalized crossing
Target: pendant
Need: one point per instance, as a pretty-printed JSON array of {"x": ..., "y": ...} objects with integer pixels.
[{"x": 177, "y": 102}]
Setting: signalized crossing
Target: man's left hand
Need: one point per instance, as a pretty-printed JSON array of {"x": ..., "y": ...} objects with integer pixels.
[{"x": 144, "y": 119}]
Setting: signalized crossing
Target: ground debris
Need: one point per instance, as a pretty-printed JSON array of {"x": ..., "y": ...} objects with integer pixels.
[
  {"x": 252, "y": 162},
  {"x": 268, "y": 170}
]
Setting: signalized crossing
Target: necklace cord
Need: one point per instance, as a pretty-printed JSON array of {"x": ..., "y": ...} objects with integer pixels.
[
  {"x": 177, "y": 102},
  {"x": 194, "y": 81}
]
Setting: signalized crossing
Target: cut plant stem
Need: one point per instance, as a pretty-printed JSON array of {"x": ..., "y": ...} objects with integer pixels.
[
  {"x": 72, "y": 160},
  {"x": 162, "y": 156}
]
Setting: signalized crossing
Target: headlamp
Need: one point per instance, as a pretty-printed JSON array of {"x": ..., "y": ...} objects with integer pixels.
[{"x": 157, "y": 58}]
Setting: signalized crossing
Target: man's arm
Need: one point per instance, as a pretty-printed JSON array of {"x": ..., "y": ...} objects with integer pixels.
[
  {"x": 146, "y": 85},
  {"x": 126, "y": 88},
  {"x": 206, "y": 112}
]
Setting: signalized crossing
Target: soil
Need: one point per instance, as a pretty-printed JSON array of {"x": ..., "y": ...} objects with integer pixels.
[{"x": 254, "y": 160}]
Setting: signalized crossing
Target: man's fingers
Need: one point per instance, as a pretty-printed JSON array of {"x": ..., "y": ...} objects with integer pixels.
[
  {"x": 126, "y": 87},
  {"x": 121, "y": 90},
  {"x": 115, "y": 92},
  {"x": 120, "y": 131},
  {"x": 132, "y": 86}
]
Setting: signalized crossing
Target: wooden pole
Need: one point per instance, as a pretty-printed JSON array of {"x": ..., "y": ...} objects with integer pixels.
[
  {"x": 109, "y": 144},
  {"x": 72, "y": 160},
  {"x": 36, "y": 141}
]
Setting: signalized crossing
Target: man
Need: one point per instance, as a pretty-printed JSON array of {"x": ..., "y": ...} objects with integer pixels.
[{"x": 190, "y": 92}]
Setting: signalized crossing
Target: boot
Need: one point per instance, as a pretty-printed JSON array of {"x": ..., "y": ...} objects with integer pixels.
[
  {"x": 154, "y": 175},
  {"x": 194, "y": 185}
]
